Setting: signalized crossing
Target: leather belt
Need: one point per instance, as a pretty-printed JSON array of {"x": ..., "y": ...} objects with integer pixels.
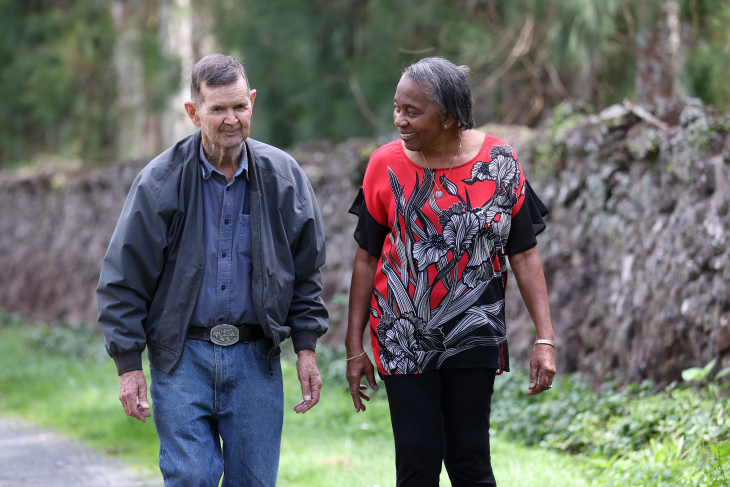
[{"x": 226, "y": 335}]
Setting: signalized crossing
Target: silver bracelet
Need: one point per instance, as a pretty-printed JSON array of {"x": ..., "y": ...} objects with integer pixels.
[
  {"x": 356, "y": 356},
  {"x": 544, "y": 342}
]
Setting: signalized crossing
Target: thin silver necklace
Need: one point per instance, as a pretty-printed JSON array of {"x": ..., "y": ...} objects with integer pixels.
[{"x": 439, "y": 194}]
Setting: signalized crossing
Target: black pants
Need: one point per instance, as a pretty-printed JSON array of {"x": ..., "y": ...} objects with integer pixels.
[{"x": 442, "y": 415}]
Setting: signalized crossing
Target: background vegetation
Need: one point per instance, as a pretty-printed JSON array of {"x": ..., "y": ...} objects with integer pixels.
[
  {"x": 572, "y": 436},
  {"x": 61, "y": 378},
  {"x": 324, "y": 68}
]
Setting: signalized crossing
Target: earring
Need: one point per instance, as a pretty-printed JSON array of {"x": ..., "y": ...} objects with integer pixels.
[{"x": 446, "y": 126}]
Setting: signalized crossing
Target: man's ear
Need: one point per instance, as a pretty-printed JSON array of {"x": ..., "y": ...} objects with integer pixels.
[
  {"x": 252, "y": 96},
  {"x": 192, "y": 113}
]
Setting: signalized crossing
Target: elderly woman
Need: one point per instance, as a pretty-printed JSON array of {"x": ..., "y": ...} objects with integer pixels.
[{"x": 438, "y": 211}]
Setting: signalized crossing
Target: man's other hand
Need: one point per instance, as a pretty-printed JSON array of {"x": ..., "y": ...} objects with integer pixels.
[
  {"x": 309, "y": 379},
  {"x": 132, "y": 385}
]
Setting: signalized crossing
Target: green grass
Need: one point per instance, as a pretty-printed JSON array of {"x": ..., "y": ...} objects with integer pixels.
[
  {"x": 333, "y": 445},
  {"x": 74, "y": 392}
]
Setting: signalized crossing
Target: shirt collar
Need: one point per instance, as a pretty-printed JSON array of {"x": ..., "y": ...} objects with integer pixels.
[{"x": 207, "y": 168}]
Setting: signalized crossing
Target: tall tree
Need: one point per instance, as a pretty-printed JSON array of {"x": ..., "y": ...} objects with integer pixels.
[{"x": 56, "y": 85}]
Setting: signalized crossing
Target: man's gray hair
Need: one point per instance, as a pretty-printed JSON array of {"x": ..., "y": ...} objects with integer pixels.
[
  {"x": 446, "y": 84},
  {"x": 215, "y": 70}
]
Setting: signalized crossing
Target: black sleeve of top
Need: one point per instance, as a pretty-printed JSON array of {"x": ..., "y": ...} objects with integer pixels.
[
  {"x": 369, "y": 233},
  {"x": 527, "y": 224}
]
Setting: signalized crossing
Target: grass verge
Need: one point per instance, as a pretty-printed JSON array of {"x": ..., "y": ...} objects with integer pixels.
[{"x": 58, "y": 379}]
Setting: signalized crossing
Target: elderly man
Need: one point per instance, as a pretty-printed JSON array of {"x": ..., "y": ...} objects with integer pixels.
[{"x": 214, "y": 262}]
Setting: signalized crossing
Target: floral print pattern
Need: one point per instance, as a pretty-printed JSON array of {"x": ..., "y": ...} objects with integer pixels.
[{"x": 462, "y": 249}]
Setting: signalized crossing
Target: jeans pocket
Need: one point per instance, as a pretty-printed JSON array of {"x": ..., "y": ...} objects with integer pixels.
[
  {"x": 261, "y": 348},
  {"x": 244, "y": 234}
]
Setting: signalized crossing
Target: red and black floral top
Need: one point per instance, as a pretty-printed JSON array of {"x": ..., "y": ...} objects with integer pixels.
[{"x": 439, "y": 289}]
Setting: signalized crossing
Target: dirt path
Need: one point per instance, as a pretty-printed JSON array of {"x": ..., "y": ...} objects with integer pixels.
[{"x": 30, "y": 457}]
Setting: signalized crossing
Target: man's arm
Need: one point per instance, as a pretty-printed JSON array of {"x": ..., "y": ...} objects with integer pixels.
[
  {"x": 308, "y": 317},
  {"x": 127, "y": 284}
]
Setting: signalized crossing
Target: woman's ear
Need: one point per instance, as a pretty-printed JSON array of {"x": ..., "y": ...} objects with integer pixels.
[{"x": 447, "y": 121}]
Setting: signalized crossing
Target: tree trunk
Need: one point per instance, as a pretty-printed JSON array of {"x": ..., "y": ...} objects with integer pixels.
[{"x": 658, "y": 43}]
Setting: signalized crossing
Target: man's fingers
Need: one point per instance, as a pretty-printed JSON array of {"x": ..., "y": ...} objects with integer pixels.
[
  {"x": 298, "y": 407},
  {"x": 143, "y": 396},
  {"x": 306, "y": 391},
  {"x": 130, "y": 407},
  {"x": 315, "y": 387}
]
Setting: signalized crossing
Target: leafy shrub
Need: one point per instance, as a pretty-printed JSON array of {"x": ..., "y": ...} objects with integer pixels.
[
  {"x": 634, "y": 436},
  {"x": 62, "y": 339}
]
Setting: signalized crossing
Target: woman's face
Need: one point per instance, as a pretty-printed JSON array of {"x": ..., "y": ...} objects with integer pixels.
[{"x": 416, "y": 116}]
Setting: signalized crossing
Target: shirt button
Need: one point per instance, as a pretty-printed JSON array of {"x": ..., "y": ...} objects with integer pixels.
[
  {"x": 228, "y": 188},
  {"x": 225, "y": 221},
  {"x": 224, "y": 254},
  {"x": 223, "y": 288}
]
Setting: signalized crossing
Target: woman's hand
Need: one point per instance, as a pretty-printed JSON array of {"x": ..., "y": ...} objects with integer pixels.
[
  {"x": 356, "y": 369},
  {"x": 542, "y": 369},
  {"x": 530, "y": 278},
  {"x": 361, "y": 291}
]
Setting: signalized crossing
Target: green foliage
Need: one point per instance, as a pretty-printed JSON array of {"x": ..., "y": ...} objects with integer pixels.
[
  {"x": 330, "y": 69},
  {"x": 700, "y": 373},
  {"x": 635, "y": 436},
  {"x": 56, "y": 80},
  {"x": 707, "y": 72}
]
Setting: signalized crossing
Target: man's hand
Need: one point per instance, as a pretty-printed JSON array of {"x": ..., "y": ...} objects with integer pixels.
[
  {"x": 310, "y": 380},
  {"x": 132, "y": 385},
  {"x": 356, "y": 369}
]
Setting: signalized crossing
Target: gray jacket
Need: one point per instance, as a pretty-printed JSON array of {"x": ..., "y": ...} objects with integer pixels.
[{"x": 153, "y": 268}]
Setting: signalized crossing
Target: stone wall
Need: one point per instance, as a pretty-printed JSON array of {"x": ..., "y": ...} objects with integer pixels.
[{"x": 635, "y": 253}]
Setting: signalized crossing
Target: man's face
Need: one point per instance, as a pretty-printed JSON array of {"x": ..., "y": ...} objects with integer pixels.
[{"x": 224, "y": 115}]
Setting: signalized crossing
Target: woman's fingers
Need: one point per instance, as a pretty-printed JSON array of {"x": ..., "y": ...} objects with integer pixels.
[
  {"x": 356, "y": 370},
  {"x": 542, "y": 369},
  {"x": 363, "y": 388}
]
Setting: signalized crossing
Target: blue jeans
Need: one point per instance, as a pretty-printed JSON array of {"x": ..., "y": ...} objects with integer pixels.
[{"x": 219, "y": 393}]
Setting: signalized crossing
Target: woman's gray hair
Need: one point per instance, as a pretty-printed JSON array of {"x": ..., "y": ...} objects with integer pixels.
[
  {"x": 446, "y": 84},
  {"x": 215, "y": 70}
]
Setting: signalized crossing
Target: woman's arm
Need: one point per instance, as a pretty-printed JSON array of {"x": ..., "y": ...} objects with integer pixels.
[
  {"x": 361, "y": 291},
  {"x": 530, "y": 279}
]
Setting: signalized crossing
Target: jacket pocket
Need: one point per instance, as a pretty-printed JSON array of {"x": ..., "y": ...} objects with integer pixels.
[{"x": 244, "y": 234}]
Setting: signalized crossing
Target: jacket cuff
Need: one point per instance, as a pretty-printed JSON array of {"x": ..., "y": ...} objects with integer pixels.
[
  {"x": 128, "y": 361},
  {"x": 304, "y": 340}
]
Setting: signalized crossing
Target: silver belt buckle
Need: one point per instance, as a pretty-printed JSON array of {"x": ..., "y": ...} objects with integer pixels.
[{"x": 224, "y": 335}]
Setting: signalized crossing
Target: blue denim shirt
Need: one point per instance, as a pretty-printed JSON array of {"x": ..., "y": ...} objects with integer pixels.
[{"x": 225, "y": 291}]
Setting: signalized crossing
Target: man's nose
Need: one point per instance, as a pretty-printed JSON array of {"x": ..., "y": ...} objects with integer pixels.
[{"x": 230, "y": 118}]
